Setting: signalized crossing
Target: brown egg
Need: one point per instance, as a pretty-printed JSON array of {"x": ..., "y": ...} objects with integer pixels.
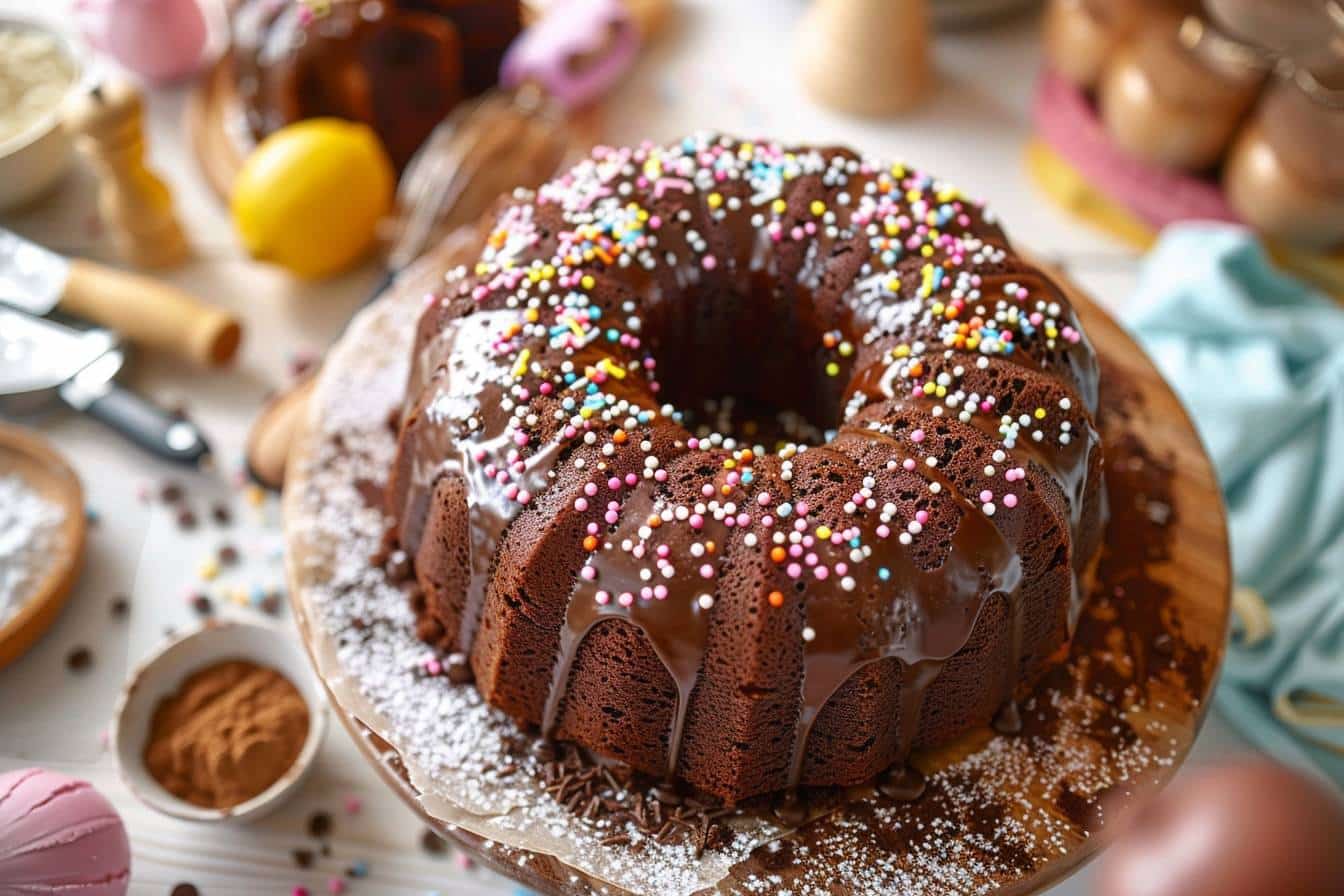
[
  {"x": 1082, "y": 35},
  {"x": 1285, "y": 174},
  {"x": 1171, "y": 104},
  {"x": 1250, "y": 828}
]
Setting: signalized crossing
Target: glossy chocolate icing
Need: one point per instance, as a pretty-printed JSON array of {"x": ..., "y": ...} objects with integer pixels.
[{"x": 717, "y": 267}]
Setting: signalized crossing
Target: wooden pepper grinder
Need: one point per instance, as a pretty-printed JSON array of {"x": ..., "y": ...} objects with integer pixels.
[
  {"x": 136, "y": 205},
  {"x": 866, "y": 57}
]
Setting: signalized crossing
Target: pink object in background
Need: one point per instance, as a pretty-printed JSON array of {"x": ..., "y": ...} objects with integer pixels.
[
  {"x": 160, "y": 40},
  {"x": 59, "y": 835},
  {"x": 578, "y": 50}
]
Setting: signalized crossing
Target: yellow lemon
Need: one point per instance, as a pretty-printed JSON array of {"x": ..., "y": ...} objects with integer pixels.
[{"x": 310, "y": 197}]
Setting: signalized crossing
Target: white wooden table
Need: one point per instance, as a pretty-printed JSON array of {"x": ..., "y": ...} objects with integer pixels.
[{"x": 723, "y": 65}]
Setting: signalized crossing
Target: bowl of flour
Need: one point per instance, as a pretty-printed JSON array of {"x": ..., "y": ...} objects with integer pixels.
[
  {"x": 38, "y": 68},
  {"x": 42, "y": 531}
]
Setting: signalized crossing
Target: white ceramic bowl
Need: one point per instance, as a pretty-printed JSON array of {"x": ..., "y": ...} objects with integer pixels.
[
  {"x": 33, "y": 160},
  {"x": 162, "y": 674}
]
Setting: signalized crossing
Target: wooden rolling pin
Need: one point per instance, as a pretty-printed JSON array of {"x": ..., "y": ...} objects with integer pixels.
[{"x": 151, "y": 313}]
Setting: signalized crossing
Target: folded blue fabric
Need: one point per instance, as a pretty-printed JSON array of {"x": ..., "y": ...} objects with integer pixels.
[{"x": 1258, "y": 358}]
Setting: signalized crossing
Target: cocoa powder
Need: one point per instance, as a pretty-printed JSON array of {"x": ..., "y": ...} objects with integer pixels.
[{"x": 229, "y": 733}]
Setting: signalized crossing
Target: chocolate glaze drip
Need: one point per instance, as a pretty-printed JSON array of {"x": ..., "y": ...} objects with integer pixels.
[{"x": 470, "y": 420}]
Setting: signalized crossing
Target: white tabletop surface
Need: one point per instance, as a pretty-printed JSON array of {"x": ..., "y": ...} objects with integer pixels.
[{"x": 723, "y": 65}]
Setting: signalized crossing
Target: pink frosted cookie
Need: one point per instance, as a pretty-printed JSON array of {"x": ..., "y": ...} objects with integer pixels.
[
  {"x": 1068, "y": 122},
  {"x": 59, "y": 835}
]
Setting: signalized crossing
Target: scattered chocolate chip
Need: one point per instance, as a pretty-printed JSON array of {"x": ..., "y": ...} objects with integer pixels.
[
  {"x": 1164, "y": 644},
  {"x": 432, "y": 843},
  {"x": 186, "y": 890},
  {"x": 202, "y": 605},
  {"x": 459, "y": 669},
  {"x": 221, "y": 514},
  {"x": 121, "y": 606},
  {"x": 270, "y": 604},
  {"x": 228, "y": 555},
  {"x": 319, "y": 825},
  {"x": 398, "y": 566},
  {"x": 325, "y": 849},
  {"x": 79, "y": 659},
  {"x": 303, "y": 858},
  {"x": 170, "y": 493},
  {"x": 186, "y": 519}
]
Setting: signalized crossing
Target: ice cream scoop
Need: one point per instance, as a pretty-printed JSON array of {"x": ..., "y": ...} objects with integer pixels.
[{"x": 59, "y": 835}]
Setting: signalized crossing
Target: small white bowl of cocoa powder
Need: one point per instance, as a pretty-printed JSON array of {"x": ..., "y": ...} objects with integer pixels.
[{"x": 222, "y": 723}]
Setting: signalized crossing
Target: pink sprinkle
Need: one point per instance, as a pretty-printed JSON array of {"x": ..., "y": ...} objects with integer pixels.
[
  {"x": 614, "y": 483},
  {"x": 707, "y": 490},
  {"x": 744, "y": 519},
  {"x": 588, "y": 573},
  {"x": 801, "y": 507},
  {"x": 626, "y": 599},
  {"x": 580, "y": 504},
  {"x": 810, "y": 559},
  {"x": 663, "y": 550},
  {"x": 1010, "y": 500},
  {"x": 696, "y": 521},
  {"x": 706, "y": 571},
  {"x": 841, "y": 568},
  {"x": 908, "y": 463},
  {"x": 767, "y": 521},
  {"x": 763, "y": 498},
  {"x": 883, "y": 530},
  {"x": 821, "y": 573},
  {"x": 709, "y": 262},
  {"x": 520, "y": 438},
  {"x": 794, "y": 570},
  {"x": 611, "y": 517},
  {"x": 433, "y": 667},
  {"x": 602, "y": 598},
  {"x": 660, "y": 592},
  {"x": 300, "y": 891},
  {"x": 917, "y": 436},
  {"x": 660, "y": 475},
  {"x": 921, "y": 516},
  {"x": 795, "y": 550},
  {"x": 631, "y": 479},
  {"x": 590, "y": 489},
  {"x": 335, "y": 886},
  {"x": 986, "y": 496}
]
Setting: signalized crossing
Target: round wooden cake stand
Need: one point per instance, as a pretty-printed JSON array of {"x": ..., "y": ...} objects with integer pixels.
[
  {"x": 27, "y": 455},
  {"x": 1151, "y": 638}
]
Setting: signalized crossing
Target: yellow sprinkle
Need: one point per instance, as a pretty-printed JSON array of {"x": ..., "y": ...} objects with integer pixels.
[
  {"x": 255, "y": 495},
  {"x": 929, "y": 388},
  {"x": 818, "y": 207},
  {"x": 891, "y": 228},
  {"x": 901, "y": 351},
  {"x": 912, "y": 196},
  {"x": 779, "y": 206},
  {"x": 209, "y": 570},
  {"x": 585, "y": 412},
  {"x": 521, "y": 367},
  {"x": 613, "y": 369},
  {"x": 574, "y": 327},
  {"x": 926, "y": 250},
  {"x": 531, "y": 315},
  {"x": 832, "y": 369},
  {"x": 846, "y": 349},
  {"x": 947, "y": 194},
  {"x": 823, "y": 532},
  {"x": 898, "y": 171},
  {"x": 937, "y": 308},
  {"x": 587, "y": 282},
  {"x": 941, "y": 391},
  {"x": 1039, "y": 413},
  {"x": 1051, "y": 332},
  {"x": 548, "y": 272},
  {"x": 715, "y": 200},
  {"x": 894, "y": 284},
  {"x": 729, "y": 463}
]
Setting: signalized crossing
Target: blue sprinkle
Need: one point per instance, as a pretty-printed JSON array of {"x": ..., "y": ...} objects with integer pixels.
[
  {"x": 359, "y": 869},
  {"x": 884, "y": 573}
]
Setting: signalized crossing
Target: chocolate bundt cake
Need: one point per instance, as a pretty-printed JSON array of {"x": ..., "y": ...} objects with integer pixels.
[
  {"x": 399, "y": 66},
  {"x": 747, "y": 465}
]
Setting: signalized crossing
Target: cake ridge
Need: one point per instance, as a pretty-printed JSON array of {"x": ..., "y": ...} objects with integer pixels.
[{"x": 538, "y": 375}]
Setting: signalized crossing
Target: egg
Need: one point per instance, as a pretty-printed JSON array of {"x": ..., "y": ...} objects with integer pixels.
[
  {"x": 60, "y": 835},
  {"x": 1249, "y": 828}
]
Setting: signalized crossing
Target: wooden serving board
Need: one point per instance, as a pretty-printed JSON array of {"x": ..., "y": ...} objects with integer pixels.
[
  {"x": 1105, "y": 728},
  {"x": 217, "y": 127},
  {"x": 25, "y": 454}
]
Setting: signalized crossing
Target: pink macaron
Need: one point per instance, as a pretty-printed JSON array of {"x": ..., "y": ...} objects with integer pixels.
[{"x": 59, "y": 835}]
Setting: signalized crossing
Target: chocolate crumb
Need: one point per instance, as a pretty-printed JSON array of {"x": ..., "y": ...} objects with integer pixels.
[
  {"x": 319, "y": 825},
  {"x": 79, "y": 659},
  {"x": 303, "y": 858},
  {"x": 221, "y": 514},
  {"x": 228, "y": 555},
  {"x": 121, "y": 606},
  {"x": 170, "y": 493},
  {"x": 270, "y": 604},
  {"x": 459, "y": 669},
  {"x": 186, "y": 519},
  {"x": 432, "y": 843},
  {"x": 202, "y": 605},
  {"x": 186, "y": 890}
]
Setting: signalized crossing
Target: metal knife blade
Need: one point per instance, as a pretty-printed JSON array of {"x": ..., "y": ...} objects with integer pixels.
[
  {"x": 38, "y": 355},
  {"x": 31, "y": 277},
  {"x": 40, "y": 358}
]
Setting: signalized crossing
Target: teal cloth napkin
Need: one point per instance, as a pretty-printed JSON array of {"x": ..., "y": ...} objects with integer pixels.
[{"x": 1258, "y": 358}]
